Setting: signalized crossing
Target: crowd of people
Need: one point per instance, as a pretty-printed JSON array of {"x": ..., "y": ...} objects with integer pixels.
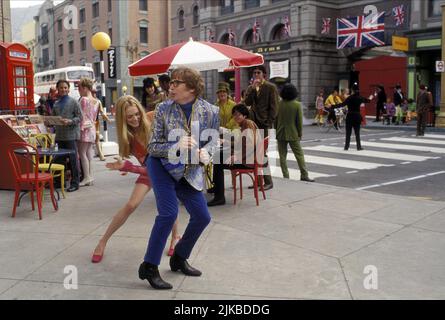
[{"x": 173, "y": 106}]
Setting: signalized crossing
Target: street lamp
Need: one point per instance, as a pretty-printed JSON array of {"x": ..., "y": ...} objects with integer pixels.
[{"x": 101, "y": 42}]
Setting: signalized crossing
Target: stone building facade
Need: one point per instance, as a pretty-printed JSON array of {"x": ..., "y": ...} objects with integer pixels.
[
  {"x": 314, "y": 60},
  {"x": 133, "y": 27},
  {"x": 5, "y": 21}
]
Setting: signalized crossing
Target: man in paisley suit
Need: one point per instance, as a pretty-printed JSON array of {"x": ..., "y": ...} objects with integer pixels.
[{"x": 185, "y": 135}]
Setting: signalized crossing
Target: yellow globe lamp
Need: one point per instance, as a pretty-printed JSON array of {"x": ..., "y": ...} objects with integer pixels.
[{"x": 101, "y": 41}]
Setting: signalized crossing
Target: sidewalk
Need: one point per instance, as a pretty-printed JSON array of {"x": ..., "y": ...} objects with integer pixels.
[
  {"x": 306, "y": 241},
  {"x": 410, "y": 126}
]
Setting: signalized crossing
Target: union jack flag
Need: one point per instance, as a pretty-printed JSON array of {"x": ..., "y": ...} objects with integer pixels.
[
  {"x": 256, "y": 31},
  {"x": 231, "y": 37},
  {"x": 326, "y": 27},
  {"x": 361, "y": 31},
  {"x": 286, "y": 28},
  {"x": 399, "y": 15}
]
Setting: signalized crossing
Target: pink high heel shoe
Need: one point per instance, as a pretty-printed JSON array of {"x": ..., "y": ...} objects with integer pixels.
[
  {"x": 97, "y": 258},
  {"x": 172, "y": 246}
]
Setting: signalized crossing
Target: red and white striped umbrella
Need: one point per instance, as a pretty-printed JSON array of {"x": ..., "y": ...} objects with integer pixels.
[{"x": 199, "y": 55}]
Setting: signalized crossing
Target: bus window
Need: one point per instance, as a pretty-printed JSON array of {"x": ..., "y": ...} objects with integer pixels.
[{"x": 77, "y": 74}]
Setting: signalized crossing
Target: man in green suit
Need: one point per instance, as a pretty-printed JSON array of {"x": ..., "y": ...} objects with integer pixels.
[{"x": 289, "y": 126}]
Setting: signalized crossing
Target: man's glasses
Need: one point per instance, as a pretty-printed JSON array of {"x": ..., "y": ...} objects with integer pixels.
[
  {"x": 175, "y": 83},
  {"x": 257, "y": 72}
]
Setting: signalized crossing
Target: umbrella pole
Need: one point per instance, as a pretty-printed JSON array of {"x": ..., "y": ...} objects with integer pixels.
[{"x": 237, "y": 85}]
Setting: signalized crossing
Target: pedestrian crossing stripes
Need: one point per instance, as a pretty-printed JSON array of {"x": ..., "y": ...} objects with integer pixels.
[
  {"x": 334, "y": 162},
  {"x": 370, "y": 153},
  {"x": 413, "y": 140},
  {"x": 329, "y": 160},
  {"x": 294, "y": 174},
  {"x": 433, "y": 136},
  {"x": 402, "y": 147}
]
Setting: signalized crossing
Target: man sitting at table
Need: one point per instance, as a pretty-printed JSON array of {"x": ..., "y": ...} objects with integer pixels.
[
  {"x": 246, "y": 144},
  {"x": 67, "y": 134}
]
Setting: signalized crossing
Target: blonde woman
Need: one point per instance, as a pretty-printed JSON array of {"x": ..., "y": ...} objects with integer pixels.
[
  {"x": 90, "y": 107},
  {"x": 133, "y": 133}
]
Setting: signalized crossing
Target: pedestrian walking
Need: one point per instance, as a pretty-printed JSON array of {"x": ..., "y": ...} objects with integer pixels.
[
  {"x": 174, "y": 175},
  {"x": 262, "y": 97},
  {"x": 424, "y": 103},
  {"x": 289, "y": 126}
]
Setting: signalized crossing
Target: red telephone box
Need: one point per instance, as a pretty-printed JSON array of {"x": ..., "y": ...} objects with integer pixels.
[{"x": 16, "y": 78}]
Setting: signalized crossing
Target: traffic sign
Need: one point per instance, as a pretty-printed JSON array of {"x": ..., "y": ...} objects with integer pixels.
[{"x": 440, "y": 66}]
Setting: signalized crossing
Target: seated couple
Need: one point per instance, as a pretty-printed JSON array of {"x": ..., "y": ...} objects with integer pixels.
[{"x": 243, "y": 151}]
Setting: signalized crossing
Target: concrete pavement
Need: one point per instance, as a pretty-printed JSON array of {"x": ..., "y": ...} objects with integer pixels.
[{"x": 306, "y": 241}]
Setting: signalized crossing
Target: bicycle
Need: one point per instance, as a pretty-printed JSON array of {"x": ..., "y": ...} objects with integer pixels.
[{"x": 326, "y": 125}]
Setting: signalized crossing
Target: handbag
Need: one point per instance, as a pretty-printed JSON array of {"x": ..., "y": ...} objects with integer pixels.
[{"x": 87, "y": 124}]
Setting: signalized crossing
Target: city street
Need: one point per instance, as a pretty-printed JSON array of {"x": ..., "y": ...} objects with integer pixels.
[{"x": 393, "y": 162}]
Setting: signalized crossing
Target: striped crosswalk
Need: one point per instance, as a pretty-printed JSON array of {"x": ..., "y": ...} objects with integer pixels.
[{"x": 331, "y": 161}]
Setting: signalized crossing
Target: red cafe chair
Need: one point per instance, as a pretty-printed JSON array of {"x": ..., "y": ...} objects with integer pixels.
[
  {"x": 255, "y": 173},
  {"x": 24, "y": 160}
]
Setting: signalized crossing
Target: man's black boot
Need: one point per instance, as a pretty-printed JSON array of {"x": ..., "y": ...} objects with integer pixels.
[
  {"x": 151, "y": 273},
  {"x": 179, "y": 263}
]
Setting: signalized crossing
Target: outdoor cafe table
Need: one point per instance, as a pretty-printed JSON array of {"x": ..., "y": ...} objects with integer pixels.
[{"x": 49, "y": 152}]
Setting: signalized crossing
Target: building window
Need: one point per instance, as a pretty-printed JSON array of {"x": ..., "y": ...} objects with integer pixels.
[
  {"x": 44, "y": 34},
  {"x": 227, "y": 6},
  {"x": 59, "y": 25},
  {"x": 71, "y": 47},
  {"x": 82, "y": 16},
  {"x": 95, "y": 9},
  {"x": 249, "y": 4},
  {"x": 195, "y": 15},
  {"x": 143, "y": 34},
  {"x": 279, "y": 33},
  {"x": 110, "y": 5},
  {"x": 83, "y": 43},
  {"x": 45, "y": 56},
  {"x": 143, "y": 5},
  {"x": 181, "y": 19},
  {"x": 434, "y": 8},
  {"x": 61, "y": 50}
]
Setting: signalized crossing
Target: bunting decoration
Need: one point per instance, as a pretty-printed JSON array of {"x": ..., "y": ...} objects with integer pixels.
[
  {"x": 399, "y": 15},
  {"x": 256, "y": 31},
  {"x": 361, "y": 31},
  {"x": 326, "y": 27}
]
